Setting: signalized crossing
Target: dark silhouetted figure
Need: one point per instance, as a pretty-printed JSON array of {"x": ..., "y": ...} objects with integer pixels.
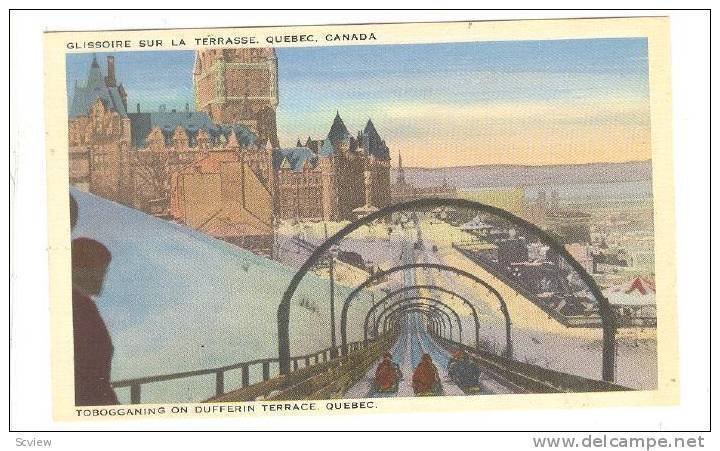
[
  {"x": 454, "y": 357},
  {"x": 464, "y": 372},
  {"x": 73, "y": 212},
  {"x": 93, "y": 346}
]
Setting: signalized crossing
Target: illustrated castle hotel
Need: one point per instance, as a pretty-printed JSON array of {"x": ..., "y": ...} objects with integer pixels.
[{"x": 219, "y": 167}]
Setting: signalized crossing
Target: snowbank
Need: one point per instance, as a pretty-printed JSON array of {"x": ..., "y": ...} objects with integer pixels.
[{"x": 178, "y": 300}]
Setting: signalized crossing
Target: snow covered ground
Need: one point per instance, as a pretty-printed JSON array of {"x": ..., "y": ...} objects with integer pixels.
[
  {"x": 540, "y": 340},
  {"x": 536, "y": 337},
  {"x": 178, "y": 300}
]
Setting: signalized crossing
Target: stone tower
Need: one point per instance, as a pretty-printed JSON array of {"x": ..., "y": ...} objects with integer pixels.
[{"x": 239, "y": 87}]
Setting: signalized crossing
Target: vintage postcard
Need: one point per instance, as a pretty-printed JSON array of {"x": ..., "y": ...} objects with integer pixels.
[{"x": 360, "y": 218}]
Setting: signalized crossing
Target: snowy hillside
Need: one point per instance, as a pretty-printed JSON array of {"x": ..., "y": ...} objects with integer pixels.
[{"x": 178, "y": 300}]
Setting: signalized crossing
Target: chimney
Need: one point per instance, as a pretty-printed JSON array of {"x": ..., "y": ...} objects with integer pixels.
[
  {"x": 138, "y": 107},
  {"x": 187, "y": 107},
  {"x": 110, "y": 79}
]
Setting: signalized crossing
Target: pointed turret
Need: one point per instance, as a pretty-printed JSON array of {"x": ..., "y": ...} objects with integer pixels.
[
  {"x": 370, "y": 128},
  {"x": 96, "y": 87},
  {"x": 373, "y": 144},
  {"x": 338, "y": 131},
  {"x": 95, "y": 79}
]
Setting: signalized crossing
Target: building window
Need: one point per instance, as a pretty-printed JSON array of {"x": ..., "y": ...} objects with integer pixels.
[{"x": 99, "y": 162}]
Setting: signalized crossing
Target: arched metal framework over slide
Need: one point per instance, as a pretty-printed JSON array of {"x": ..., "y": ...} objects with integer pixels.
[
  {"x": 443, "y": 316},
  {"x": 432, "y": 317},
  {"x": 411, "y": 300},
  {"x": 405, "y": 289},
  {"x": 432, "y": 312},
  {"x": 389, "y": 315},
  {"x": 606, "y": 313},
  {"x": 386, "y": 273},
  {"x": 430, "y": 303}
]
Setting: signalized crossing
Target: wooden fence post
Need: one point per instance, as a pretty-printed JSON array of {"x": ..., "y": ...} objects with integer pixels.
[
  {"x": 219, "y": 383},
  {"x": 245, "y": 375},
  {"x": 135, "y": 394}
]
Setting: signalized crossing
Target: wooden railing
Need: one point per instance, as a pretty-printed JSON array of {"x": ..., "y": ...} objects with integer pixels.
[
  {"x": 528, "y": 377},
  {"x": 325, "y": 380},
  {"x": 307, "y": 360}
]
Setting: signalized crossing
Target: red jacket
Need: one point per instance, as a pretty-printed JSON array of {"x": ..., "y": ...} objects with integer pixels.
[
  {"x": 385, "y": 375},
  {"x": 425, "y": 377},
  {"x": 93, "y": 354}
]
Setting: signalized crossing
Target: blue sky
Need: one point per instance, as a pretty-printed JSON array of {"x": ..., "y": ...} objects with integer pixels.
[{"x": 478, "y": 97}]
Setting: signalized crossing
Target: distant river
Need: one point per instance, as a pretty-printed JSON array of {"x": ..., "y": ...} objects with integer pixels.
[
  {"x": 636, "y": 190},
  {"x": 590, "y": 191}
]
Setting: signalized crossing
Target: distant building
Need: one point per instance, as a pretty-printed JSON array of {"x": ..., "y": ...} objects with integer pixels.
[
  {"x": 335, "y": 177},
  {"x": 567, "y": 226},
  {"x": 634, "y": 301},
  {"x": 402, "y": 191},
  {"x": 536, "y": 210},
  {"x": 477, "y": 227},
  {"x": 143, "y": 159},
  {"x": 219, "y": 169},
  {"x": 239, "y": 87},
  {"x": 583, "y": 255},
  {"x": 99, "y": 133},
  {"x": 224, "y": 197}
]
